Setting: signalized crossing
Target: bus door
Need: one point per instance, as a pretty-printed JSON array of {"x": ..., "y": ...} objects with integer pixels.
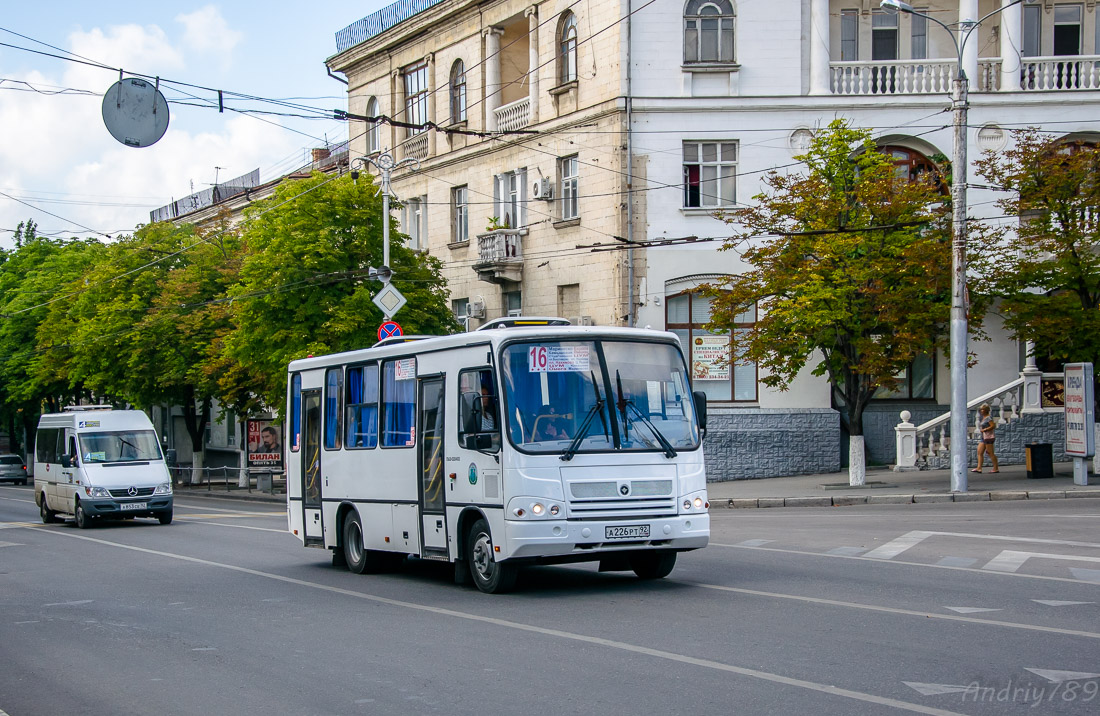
[
  {"x": 311, "y": 467},
  {"x": 432, "y": 460}
]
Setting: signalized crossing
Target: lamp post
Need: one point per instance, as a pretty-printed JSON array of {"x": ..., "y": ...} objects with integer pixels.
[
  {"x": 386, "y": 166},
  {"x": 958, "y": 334}
]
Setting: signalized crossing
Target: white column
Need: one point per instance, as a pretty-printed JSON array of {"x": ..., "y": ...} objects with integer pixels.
[
  {"x": 492, "y": 76},
  {"x": 1032, "y": 401},
  {"x": 905, "y": 436},
  {"x": 397, "y": 108},
  {"x": 1011, "y": 58},
  {"x": 819, "y": 47},
  {"x": 968, "y": 10},
  {"x": 533, "y": 63}
]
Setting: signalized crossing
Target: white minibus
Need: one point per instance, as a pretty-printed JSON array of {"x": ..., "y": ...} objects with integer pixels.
[
  {"x": 93, "y": 462},
  {"x": 526, "y": 441}
]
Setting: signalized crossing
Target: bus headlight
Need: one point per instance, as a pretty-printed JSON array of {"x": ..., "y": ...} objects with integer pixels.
[
  {"x": 537, "y": 509},
  {"x": 698, "y": 503},
  {"x": 164, "y": 488},
  {"x": 554, "y": 509},
  {"x": 534, "y": 508},
  {"x": 695, "y": 503}
]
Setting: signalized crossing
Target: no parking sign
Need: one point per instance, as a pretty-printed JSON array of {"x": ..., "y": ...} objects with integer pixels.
[{"x": 389, "y": 329}]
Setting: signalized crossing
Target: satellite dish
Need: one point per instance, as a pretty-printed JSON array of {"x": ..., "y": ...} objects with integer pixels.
[{"x": 135, "y": 112}]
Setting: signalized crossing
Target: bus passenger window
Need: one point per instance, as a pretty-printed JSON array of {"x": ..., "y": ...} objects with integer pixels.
[
  {"x": 362, "y": 407},
  {"x": 399, "y": 403},
  {"x": 334, "y": 379}
]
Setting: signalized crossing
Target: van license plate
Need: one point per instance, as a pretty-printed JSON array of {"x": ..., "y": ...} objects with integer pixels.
[
  {"x": 626, "y": 532},
  {"x": 133, "y": 506}
]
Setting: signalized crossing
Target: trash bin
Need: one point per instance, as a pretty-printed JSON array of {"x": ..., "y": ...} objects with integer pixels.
[{"x": 1039, "y": 458}]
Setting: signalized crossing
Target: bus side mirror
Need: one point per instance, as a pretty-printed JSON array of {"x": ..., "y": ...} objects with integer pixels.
[{"x": 700, "y": 400}]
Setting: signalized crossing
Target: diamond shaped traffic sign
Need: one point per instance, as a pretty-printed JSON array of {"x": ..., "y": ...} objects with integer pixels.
[{"x": 389, "y": 299}]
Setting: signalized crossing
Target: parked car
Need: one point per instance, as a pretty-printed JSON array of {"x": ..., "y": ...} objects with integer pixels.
[{"x": 13, "y": 469}]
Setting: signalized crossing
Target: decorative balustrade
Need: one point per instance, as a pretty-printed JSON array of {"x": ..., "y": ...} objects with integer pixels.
[
  {"x": 515, "y": 115},
  {"x": 919, "y": 445},
  {"x": 415, "y": 147},
  {"x": 893, "y": 77},
  {"x": 989, "y": 75},
  {"x": 500, "y": 255},
  {"x": 1060, "y": 73}
]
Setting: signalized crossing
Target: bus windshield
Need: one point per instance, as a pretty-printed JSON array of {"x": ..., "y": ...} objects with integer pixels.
[
  {"x": 119, "y": 446},
  {"x": 585, "y": 396}
]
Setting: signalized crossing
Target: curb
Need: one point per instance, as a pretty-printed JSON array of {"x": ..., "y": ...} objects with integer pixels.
[{"x": 738, "y": 503}]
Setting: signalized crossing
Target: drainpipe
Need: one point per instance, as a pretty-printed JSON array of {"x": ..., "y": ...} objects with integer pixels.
[{"x": 629, "y": 177}]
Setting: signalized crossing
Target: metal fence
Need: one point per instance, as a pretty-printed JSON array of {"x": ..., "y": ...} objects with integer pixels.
[
  {"x": 206, "y": 197},
  {"x": 228, "y": 479}
]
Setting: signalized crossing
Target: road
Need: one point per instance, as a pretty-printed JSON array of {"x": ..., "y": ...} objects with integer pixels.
[{"x": 976, "y": 608}]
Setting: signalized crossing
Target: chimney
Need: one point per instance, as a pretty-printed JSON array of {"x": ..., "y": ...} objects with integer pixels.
[{"x": 320, "y": 155}]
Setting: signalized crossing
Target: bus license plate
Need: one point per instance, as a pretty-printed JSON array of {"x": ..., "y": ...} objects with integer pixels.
[
  {"x": 626, "y": 532},
  {"x": 133, "y": 506}
]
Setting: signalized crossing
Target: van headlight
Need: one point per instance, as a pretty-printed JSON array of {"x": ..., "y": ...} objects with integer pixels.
[
  {"x": 164, "y": 488},
  {"x": 97, "y": 492}
]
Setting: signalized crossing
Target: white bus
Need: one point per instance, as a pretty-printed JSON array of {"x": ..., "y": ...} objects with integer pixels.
[{"x": 526, "y": 441}]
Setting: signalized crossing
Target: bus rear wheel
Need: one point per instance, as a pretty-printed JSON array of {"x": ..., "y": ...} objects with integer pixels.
[
  {"x": 490, "y": 576},
  {"x": 48, "y": 515},
  {"x": 652, "y": 565}
]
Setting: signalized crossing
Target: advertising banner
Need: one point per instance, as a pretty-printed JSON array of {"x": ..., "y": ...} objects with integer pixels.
[
  {"x": 265, "y": 445},
  {"x": 710, "y": 358},
  {"x": 1080, "y": 410}
]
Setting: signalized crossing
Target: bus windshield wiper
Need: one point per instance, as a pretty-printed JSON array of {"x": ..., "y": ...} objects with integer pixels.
[
  {"x": 624, "y": 404},
  {"x": 568, "y": 453}
]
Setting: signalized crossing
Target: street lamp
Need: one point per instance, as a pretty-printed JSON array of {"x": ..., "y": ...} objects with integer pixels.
[
  {"x": 958, "y": 335},
  {"x": 386, "y": 166}
]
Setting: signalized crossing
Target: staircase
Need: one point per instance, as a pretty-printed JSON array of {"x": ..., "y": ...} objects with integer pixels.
[{"x": 1021, "y": 419}]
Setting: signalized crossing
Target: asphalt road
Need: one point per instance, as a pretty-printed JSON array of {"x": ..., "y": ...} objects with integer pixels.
[{"x": 953, "y": 608}]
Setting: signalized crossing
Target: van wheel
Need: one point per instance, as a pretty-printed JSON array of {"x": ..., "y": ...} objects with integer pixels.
[
  {"x": 48, "y": 515},
  {"x": 165, "y": 517},
  {"x": 490, "y": 576},
  {"x": 83, "y": 521},
  {"x": 652, "y": 565}
]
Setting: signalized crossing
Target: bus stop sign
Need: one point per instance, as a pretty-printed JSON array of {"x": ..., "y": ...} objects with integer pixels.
[{"x": 389, "y": 329}]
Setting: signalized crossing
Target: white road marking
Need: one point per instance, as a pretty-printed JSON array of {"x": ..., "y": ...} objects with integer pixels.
[
  {"x": 754, "y": 542},
  {"x": 1059, "y": 602},
  {"x": 1011, "y": 560},
  {"x": 70, "y": 604},
  {"x": 531, "y": 628},
  {"x": 1086, "y": 575},
  {"x": 971, "y": 610},
  {"x": 9, "y": 544},
  {"x": 909, "y": 539},
  {"x": 13, "y": 525},
  {"x": 240, "y": 527},
  {"x": 1058, "y": 677},
  {"x": 205, "y": 648},
  {"x": 935, "y": 689}
]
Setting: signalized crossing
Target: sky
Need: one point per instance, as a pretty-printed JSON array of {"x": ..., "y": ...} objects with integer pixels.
[{"x": 61, "y": 167}]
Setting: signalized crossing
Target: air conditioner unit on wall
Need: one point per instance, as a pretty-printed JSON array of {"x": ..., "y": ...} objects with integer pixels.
[
  {"x": 582, "y": 321},
  {"x": 476, "y": 309},
  {"x": 542, "y": 189}
]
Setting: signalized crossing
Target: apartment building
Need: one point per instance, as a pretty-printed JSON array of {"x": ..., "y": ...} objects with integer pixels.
[{"x": 651, "y": 116}]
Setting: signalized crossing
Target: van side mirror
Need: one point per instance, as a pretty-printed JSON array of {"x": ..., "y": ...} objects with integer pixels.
[
  {"x": 68, "y": 460},
  {"x": 700, "y": 400}
]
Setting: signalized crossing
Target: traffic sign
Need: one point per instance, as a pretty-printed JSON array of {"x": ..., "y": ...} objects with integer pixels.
[
  {"x": 390, "y": 300},
  {"x": 389, "y": 329}
]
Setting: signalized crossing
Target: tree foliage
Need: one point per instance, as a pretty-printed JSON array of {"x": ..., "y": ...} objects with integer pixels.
[
  {"x": 848, "y": 263},
  {"x": 1047, "y": 275}
]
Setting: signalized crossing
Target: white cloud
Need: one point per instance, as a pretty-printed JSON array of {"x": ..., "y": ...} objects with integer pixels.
[{"x": 207, "y": 31}]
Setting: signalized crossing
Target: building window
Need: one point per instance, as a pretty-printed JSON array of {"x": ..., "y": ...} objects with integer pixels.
[
  {"x": 884, "y": 36},
  {"x": 567, "y": 169},
  {"x": 510, "y": 198},
  {"x": 685, "y": 315},
  {"x": 458, "y": 92},
  {"x": 918, "y": 381},
  {"x": 374, "y": 129},
  {"x": 362, "y": 407},
  {"x": 414, "y": 222},
  {"x": 460, "y": 307},
  {"x": 1067, "y": 30},
  {"x": 708, "y": 31},
  {"x": 1033, "y": 31},
  {"x": 416, "y": 96},
  {"x": 460, "y": 214},
  {"x": 334, "y": 379},
  {"x": 567, "y": 48},
  {"x": 710, "y": 174},
  {"x": 849, "y": 35},
  {"x": 911, "y": 165},
  {"x": 918, "y": 36},
  {"x": 513, "y": 302}
]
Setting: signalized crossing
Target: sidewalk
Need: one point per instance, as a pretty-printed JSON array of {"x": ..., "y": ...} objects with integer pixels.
[
  {"x": 887, "y": 487},
  {"x": 218, "y": 492}
]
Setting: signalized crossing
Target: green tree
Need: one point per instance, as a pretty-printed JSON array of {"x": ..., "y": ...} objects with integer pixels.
[
  {"x": 303, "y": 284},
  {"x": 849, "y": 267},
  {"x": 1047, "y": 275}
]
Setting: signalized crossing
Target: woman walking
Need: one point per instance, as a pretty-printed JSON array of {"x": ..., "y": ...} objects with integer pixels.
[{"x": 987, "y": 426}]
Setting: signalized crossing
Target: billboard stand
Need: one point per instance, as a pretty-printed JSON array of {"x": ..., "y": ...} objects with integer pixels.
[
  {"x": 265, "y": 452},
  {"x": 1080, "y": 407}
]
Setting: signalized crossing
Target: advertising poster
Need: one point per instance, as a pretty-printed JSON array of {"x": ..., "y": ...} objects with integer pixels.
[
  {"x": 1080, "y": 412},
  {"x": 709, "y": 358},
  {"x": 265, "y": 445}
]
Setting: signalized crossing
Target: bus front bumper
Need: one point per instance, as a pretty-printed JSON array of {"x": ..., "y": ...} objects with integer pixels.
[{"x": 544, "y": 538}]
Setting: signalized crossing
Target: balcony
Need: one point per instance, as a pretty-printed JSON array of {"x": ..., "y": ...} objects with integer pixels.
[
  {"x": 515, "y": 115},
  {"x": 415, "y": 147},
  {"x": 1038, "y": 74},
  {"x": 500, "y": 256}
]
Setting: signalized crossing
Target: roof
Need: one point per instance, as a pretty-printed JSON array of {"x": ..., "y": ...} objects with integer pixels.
[{"x": 378, "y": 22}]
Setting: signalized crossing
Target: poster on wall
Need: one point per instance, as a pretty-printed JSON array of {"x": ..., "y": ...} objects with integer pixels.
[
  {"x": 710, "y": 358},
  {"x": 265, "y": 444}
]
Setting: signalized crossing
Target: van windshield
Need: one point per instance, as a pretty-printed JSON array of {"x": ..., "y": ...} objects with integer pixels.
[{"x": 119, "y": 446}]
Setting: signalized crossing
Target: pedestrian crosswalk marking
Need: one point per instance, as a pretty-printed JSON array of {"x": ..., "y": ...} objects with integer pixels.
[
  {"x": 1011, "y": 560},
  {"x": 1059, "y": 602}
]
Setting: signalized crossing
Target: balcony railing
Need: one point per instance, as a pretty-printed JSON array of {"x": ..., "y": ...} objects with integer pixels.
[
  {"x": 513, "y": 116},
  {"x": 1037, "y": 74},
  {"x": 500, "y": 255},
  {"x": 415, "y": 147}
]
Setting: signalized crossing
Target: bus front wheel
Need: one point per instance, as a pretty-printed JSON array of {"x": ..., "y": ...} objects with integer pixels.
[
  {"x": 490, "y": 576},
  {"x": 652, "y": 565}
]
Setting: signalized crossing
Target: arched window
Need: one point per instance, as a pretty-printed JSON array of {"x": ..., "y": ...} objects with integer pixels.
[
  {"x": 567, "y": 48},
  {"x": 909, "y": 164},
  {"x": 708, "y": 31},
  {"x": 686, "y": 315},
  {"x": 458, "y": 92},
  {"x": 374, "y": 129}
]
